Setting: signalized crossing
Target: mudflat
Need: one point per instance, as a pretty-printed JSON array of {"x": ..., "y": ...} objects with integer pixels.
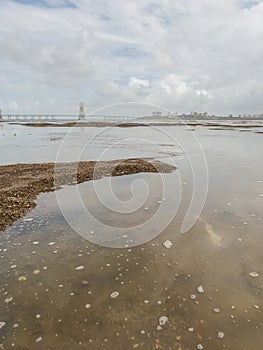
[
  {"x": 21, "y": 183},
  {"x": 103, "y": 124}
]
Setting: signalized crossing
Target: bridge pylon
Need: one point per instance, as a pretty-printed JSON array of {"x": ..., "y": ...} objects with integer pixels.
[{"x": 81, "y": 111}]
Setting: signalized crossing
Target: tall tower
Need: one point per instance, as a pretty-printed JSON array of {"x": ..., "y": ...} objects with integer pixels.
[
  {"x": 1, "y": 114},
  {"x": 81, "y": 111}
]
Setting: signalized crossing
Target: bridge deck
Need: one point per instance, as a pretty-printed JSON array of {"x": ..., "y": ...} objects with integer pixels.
[{"x": 39, "y": 117}]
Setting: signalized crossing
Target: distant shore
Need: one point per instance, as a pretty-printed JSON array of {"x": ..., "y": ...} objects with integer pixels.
[
  {"x": 104, "y": 124},
  {"x": 21, "y": 183}
]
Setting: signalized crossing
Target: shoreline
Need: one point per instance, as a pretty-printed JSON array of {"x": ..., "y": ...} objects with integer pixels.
[
  {"x": 20, "y": 184},
  {"x": 94, "y": 124}
]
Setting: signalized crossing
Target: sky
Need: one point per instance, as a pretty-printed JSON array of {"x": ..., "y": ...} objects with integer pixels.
[{"x": 183, "y": 55}]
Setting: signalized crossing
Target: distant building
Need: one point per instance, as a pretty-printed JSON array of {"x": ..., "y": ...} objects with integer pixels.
[
  {"x": 199, "y": 115},
  {"x": 157, "y": 114},
  {"x": 171, "y": 114},
  {"x": 1, "y": 114}
]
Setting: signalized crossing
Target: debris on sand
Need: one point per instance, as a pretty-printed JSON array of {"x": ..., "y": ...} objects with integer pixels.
[
  {"x": 163, "y": 320},
  {"x": 114, "y": 294},
  {"x": 167, "y": 244},
  {"x": 200, "y": 289},
  {"x": 253, "y": 274},
  {"x": 216, "y": 310},
  {"x": 220, "y": 335},
  {"x": 22, "y": 278},
  {"x": 79, "y": 268},
  {"x": 8, "y": 299}
]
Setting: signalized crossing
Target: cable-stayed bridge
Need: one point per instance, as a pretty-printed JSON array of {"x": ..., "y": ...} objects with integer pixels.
[{"x": 57, "y": 117}]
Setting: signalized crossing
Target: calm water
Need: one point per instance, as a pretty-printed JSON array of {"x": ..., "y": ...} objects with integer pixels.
[{"x": 205, "y": 291}]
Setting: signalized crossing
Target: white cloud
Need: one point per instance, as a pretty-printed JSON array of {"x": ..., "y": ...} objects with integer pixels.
[
  {"x": 138, "y": 83},
  {"x": 171, "y": 90},
  {"x": 196, "y": 54}
]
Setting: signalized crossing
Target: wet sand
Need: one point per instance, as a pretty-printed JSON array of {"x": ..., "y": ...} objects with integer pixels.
[{"x": 21, "y": 183}]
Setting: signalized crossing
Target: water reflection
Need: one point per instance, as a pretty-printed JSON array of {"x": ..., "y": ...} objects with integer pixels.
[{"x": 204, "y": 290}]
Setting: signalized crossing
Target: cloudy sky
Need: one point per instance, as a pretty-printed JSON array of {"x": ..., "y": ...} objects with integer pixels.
[{"x": 204, "y": 55}]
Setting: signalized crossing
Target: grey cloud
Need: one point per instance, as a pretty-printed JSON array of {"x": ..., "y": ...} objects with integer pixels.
[{"x": 196, "y": 54}]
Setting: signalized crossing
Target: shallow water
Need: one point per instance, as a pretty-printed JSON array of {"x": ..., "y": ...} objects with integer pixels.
[
  {"x": 20, "y": 144},
  {"x": 56, "y": 286}
]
